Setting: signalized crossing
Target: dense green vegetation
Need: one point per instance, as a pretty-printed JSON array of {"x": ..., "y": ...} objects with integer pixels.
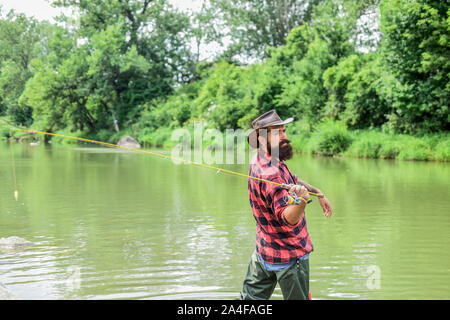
[{"x": 361, "y": 78}]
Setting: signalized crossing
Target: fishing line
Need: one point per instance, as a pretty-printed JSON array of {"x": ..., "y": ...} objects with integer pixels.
[
  {"x": 16, "y": 192},
  {"x": 217, "y": 169}
]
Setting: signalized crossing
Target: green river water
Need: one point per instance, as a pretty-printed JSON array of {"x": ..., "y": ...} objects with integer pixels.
[{"x": 109, "y": 224}]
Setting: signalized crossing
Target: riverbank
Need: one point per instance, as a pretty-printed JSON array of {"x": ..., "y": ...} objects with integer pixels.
[
  {"x": 330, "y": 138},
  {"x": 97, "y": 218},
  {"x": 333, "y": 139}
]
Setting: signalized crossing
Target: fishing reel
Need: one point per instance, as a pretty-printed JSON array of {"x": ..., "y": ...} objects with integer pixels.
[{"x": 294, "y": 199}]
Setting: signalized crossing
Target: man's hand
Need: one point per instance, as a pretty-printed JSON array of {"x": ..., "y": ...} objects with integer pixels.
[
  {"x": 293, "y": 213},
  {"x": 300, "y": 191},
  {"x": 326, "y": 206}
]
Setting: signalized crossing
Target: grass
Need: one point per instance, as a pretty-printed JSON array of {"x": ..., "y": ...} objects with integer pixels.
[
  {"x": 333, "y": 139},
  {"x": 329, "y": 138}
]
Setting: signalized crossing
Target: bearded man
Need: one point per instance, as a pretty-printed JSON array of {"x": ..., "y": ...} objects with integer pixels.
[{"x": 283, "y": 244}]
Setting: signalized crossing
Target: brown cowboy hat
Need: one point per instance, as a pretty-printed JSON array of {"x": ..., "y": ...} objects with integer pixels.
[{"x": 268, "y": 119}]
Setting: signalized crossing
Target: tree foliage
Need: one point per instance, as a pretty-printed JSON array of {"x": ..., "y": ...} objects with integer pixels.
[
  {"x": 21, "y": 40},
  {"x": 416, "y": 48},
  {"x": 253, "y": 25},
  {"x": 138, "y": 63},
  {"x": 125, "y": 54}
]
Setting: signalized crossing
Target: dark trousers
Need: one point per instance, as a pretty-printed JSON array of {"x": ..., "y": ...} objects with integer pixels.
[{"x": 260, "y": 283}]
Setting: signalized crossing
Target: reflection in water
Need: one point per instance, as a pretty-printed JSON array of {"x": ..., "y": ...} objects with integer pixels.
[{"x": 109, "y": 224}]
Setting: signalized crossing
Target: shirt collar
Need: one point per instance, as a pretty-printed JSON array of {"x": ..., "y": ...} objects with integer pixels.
[{"x": 266, "y": 159}]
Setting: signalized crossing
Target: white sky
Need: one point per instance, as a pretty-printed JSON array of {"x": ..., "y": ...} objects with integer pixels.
[{"x": 42, "y": 10}]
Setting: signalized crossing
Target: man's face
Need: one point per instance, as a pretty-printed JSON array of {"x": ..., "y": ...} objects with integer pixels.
[{"x": 276, "y": 143}]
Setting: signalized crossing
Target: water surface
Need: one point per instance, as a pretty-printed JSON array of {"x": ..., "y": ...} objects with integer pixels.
[{"x": 109, "y": 224}]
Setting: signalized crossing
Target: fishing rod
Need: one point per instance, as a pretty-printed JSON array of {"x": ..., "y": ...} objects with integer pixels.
[
  {"x": 16, "y": 192},
  {"x": 218, "y": 170}
]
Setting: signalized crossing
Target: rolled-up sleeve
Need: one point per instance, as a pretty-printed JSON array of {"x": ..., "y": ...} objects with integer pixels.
[{"x": 279, "y": 197}]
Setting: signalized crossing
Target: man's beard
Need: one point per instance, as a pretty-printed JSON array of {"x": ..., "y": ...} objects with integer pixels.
[{"x": 285, "y": 151}]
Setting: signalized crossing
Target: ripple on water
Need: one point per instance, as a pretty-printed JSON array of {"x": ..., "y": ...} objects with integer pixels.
[{"x": 202, "y": 294}]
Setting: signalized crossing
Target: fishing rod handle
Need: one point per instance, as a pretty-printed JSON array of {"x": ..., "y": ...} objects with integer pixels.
[{"x": 294, "y": 195}]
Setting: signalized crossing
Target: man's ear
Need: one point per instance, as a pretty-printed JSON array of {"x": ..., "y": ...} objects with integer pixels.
[
  {"x": 262, "y": 137},
  {"x": 261, "y": 141}
]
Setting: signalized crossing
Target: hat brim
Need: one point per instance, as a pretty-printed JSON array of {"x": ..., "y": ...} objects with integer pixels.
[
  {"x": 288, "y": 120},
  {"x": 252, "y": 138}
]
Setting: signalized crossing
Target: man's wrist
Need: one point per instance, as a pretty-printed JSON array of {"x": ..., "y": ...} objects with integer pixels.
[
  {"x": 297, "y": 200},
  {"x": 320, "y": 194},
  {"x": 312, "y": 189},
  {"x": 303, "y": 200}
]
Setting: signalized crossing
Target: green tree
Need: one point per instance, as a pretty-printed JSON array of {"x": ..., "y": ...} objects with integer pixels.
[
  {"x": 84, "y": 89},
  {"x": 59, "y": 95},
  {"x": 253, "y": 25},
  {"x": 367, "y": 99},
  {"x": 303, "y": 91},
  {"x": 220, "y": 98},
  {"x": 336, "y": 80},
  {"x": 12, "y": 81},
  {"x": 158, "y": 32},
  {"x": 416, "y": 47},
  {"x": 123, "y": 55},
  {"x": 21, "y": 40}
]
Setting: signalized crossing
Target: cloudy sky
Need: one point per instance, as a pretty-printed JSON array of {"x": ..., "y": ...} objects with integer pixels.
[{"x": 42, "y": 10}]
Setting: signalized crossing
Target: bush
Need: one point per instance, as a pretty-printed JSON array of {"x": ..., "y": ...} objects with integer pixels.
[
  {"x": 67, "y": 132},
  {"x": 373, "y": 144},
  {"x": 365, "y": 147},
  {"x": 415, "y": 149},
  {"x": 330, "y": 138},
  {"x": 389, "y": 149},
  {"x": 4, "y": 131},
  {"x": 299, "y": 133},
  {"x": 104, "y": 135},
  {"x": 157, "y": 138},
  {"x": 442, "y": 150}
]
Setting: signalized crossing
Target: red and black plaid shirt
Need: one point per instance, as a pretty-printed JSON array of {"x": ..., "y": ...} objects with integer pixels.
[{"x": 277, "y": 242}]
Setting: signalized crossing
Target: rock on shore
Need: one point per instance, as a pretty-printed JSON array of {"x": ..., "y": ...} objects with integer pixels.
[
  {"x": 128, "y": 142},
  {"x": 14, "y": 243},
  {"x": 6, "y": 294}
]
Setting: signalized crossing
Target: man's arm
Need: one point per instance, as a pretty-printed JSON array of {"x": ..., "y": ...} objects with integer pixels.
[
  {"x": 293, "y": 213},
  {"x": 323, "y": 201},
  {"x": 310, "y": 188}
]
